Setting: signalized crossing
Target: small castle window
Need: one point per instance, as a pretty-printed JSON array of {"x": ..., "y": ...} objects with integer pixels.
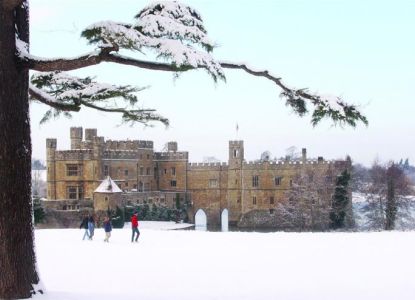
[
  {"x": 271, "y": 211},
  {"x": 148, "y": 171},
  {"x": 141, "y": 171},
  {"x": 235, "y": 153},
  {"x": 254, "y": 200},
  {"x": 73, "y": 170},
  {"x": 126, "y": 183},
  {"x": 148, "y": 156},
  {"x": 75, "y": 192},
  {"x": 255, "y": 181},
  {"x": 271, "y": 200},
  {"x": 238, "y": 200},
  {"x": 277, "y": 180},
  {"x": 173, "y": 171},
  {"x": 106, "y": 198},
  {"x": 173, "y": 182},
  {"x": 291, "y": 182},
  {"x": 106, "y": 171},
  {"x": 126, "y": 172},
  {"x": 213, "y": 183}
]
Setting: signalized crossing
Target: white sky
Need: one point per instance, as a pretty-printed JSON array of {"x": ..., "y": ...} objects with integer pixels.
[{"x": 360, "y": 50}]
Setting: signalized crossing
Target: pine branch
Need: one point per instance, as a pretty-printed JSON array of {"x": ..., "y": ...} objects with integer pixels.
[
  {"x": 65, "y": 93},
  {"x": 41, "y": 96},
  {"x": 175, "y": 33}
]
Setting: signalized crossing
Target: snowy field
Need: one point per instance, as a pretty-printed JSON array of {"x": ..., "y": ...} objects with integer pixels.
[{"x": 186, "y": 264}]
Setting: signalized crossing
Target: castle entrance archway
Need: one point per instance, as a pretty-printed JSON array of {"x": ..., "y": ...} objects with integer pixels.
[
  {"x": 200, "y": 220},
  {"x": 224, "y": 220}
]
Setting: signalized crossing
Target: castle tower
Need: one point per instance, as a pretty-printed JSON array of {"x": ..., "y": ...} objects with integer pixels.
[
  {"x": 236, "y": 154},
  {"x": 76, "y": 137},
  {"x": 235, "y": 184},
  {"x": 90, "y": 133},
  {"x": 304, "y": 155},
  {"x": 51, "y": 168}
]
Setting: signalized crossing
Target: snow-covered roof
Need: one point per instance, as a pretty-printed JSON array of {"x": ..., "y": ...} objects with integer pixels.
[{"x": 108, "y": 186}]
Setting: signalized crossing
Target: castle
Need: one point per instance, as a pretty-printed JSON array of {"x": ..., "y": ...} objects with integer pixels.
[{"x": 102, "y": 174}]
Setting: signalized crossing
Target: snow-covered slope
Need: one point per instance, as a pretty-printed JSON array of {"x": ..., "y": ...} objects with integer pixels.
[{"x": 183, "y": 264}]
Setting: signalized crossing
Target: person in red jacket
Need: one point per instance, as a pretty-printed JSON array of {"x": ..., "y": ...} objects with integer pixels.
[{"x": 134, "y": 226}]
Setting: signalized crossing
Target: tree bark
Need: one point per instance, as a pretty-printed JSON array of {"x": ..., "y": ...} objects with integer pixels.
[{"x": 17, "y": 257}]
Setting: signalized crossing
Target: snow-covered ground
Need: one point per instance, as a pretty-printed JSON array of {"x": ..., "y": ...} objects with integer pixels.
[{"x": 186, "y": 264}]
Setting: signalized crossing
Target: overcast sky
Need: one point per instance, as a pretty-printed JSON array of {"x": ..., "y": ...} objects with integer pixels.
[{"x": 362, "y": 51}]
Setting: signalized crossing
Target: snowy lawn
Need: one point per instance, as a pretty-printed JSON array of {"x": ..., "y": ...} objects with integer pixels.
[{"x": 179, "y": 264}]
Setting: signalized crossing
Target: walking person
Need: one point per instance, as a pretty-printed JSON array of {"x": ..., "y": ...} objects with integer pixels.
[
  {"x": 107, "y": 228},
  {"x": 91, "y": 226},
  {"x": 84, "y": 225},
  {"x": 134, "y": 227}
]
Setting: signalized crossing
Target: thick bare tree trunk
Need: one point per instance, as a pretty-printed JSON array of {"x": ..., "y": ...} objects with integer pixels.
[{"x": 17, "y": 258}]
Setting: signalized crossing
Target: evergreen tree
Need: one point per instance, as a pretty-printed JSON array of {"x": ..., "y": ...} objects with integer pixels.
[
  {"x": 118, "y": 218},
  {"x": 182, "y": 47},
  {"x": 340, "y": 201},
  {"x": 38, "y": 211}
]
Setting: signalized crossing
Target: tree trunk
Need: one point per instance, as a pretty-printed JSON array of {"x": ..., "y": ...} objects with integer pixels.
[{"x": 17, "y": 258}]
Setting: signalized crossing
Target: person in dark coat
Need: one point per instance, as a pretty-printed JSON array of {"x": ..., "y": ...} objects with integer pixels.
[
  {"x": 91, "y": 226},
  {"x": 84, "y": 225},
  {"x": 134, "y": 227},
  {"x": 107, "y": 228}
]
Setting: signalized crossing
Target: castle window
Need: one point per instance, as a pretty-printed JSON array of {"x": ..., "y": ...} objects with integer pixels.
[
  {"x": 238, "y": 200},
  {"x": 271, "y": 211},
  {"x": 271, "y": 200},
  {"x": 213, "y": 183},
  {"x": 173, "y": 171},
  {"x": 126, "y": 184},
  {"x": 148, "y": 156},
  {"x": 291, "y": 182},
  {"x": 106, "y": 198},
  {"x": 126, "y": 172},
  {"x": 148, "y": 171},
  {"x": 254, "y": 200},
  {"x": 255, "y": 181},
  {"x": 173, "y": 182},
  {"x": 73, "y": 170},
  {"x": 278, "y": 180},
  {"x": 155, "y": 172},
  {"x": 165, "y": 171},
  {"x": 235, "y": 153},
  {"x": 75, "y": 192},
  {"x": 141, "y": 171}
]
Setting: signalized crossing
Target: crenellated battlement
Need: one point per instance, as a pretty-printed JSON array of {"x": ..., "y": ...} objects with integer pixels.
[
  {"x": 275, "y": 164},
  {"x": 121, "y": 154},
  {"x": 128, "y": 145},
  {"x": 207, "y": 166},
  {"x": 78, "y": 154},
  {"x": 171, "y": 156}
]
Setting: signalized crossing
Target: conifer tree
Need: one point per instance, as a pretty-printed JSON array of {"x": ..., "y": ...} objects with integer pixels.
[
  {"x": 340, "y": 201},
  {"x": 174, "y": 32}
]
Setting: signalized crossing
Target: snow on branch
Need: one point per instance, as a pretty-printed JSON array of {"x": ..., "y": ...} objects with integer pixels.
[
  {"x": 64, "y": 93},
  {"x": 174, "y": 31},
  {"x": 325, "y": 106}
]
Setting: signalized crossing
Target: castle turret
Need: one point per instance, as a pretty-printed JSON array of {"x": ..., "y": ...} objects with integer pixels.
[
  {"x": 172, "y": 146},
  {"x": 90, "y": 133},
  {"x": 76, "y": 137},
  {"x": 236, "y": 154},
  {"x": 304, "y": 155},
  {"x": 51, "y": 168}
]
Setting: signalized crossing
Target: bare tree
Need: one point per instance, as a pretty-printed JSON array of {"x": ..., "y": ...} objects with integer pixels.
[{"x": 308, "y": 204}]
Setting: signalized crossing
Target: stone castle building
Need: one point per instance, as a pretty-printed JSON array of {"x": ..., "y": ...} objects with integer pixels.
[{"x": 250, "y": 192}]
